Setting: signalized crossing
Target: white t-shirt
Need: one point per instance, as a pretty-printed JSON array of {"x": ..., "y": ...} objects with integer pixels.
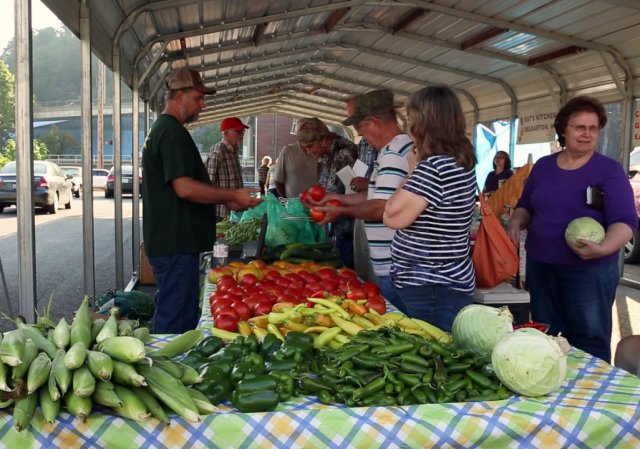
[{"x": 296, "y": 169}]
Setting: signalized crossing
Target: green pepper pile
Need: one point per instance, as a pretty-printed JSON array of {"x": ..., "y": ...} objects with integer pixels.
[
  {"x": 383, "y": 367},
  {"x": 243, "y": 232},
  {"x": 389, "y": 367},
  {"x": 255, "y": 376}
]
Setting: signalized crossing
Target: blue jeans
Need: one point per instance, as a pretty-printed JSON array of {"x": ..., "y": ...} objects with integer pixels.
[
  {"x": 390, "y": 292},
  {"x": 434, "y": 303},
  {"x": 178, "y": 296},
  {"x": 576, "y": 300},
  {"x": 344, "y": 246}
]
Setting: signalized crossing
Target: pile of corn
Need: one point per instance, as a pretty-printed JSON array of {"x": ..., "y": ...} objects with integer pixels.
[{"x": 96, "y": 362}]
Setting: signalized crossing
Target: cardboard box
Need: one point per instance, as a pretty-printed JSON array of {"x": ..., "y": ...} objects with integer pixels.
[{"x": 146, "y": 272}]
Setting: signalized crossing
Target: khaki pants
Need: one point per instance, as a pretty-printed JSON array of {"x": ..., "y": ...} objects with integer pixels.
[{"x": 361, "y": 253}]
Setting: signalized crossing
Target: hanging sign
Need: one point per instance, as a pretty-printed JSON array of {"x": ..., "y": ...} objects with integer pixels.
[
  {"x": 636, "y": 126},
  {"x": 536, "y": 127}
]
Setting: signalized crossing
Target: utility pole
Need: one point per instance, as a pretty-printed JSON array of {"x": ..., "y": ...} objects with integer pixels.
[{"x": 100, "y": 124}]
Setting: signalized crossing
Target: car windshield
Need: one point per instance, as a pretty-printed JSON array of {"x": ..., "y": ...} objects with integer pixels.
[
  {"x": 75, "y": 171},
  {"x": 38, "y": 169}
]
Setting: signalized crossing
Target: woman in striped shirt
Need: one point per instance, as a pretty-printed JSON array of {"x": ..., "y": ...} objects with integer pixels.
[{"x": 432, "y": 211}]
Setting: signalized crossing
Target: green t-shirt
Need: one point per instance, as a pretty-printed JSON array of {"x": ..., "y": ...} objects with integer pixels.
[{"x": 172, "y": 225}]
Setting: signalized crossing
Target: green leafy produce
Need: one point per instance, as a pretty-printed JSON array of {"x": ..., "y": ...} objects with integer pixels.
[
  {"x": 478, "y": 327},
  {"x": 243, "y": 232},
  {"x": 583, "y": 228},
  {"x": 530, "y": 362}
]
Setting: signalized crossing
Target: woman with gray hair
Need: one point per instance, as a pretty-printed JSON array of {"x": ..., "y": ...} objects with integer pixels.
[{"x": 333, "y": 153}]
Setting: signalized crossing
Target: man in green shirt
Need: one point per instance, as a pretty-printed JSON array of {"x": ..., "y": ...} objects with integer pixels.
[{"x": 178, "y": 204}]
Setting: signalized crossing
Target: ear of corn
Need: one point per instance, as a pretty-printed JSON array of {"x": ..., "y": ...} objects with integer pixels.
[
  {"x": 30, "y": 353},
  {"x": 84, "y": 383},
  {"x": 142, "y": 333},
  {"x": 40, "y": 340},
  {"x": 62, "y": 334},
  {"x": 171, "y": 392},
  {"x": 50, "y": 407},
  {"x": 180, "y": 343},
  {"x": 190, "y": 376},
  {"x": 61, "y": 372},
  {"x": 106, "y": 396},
  {"x": 96, "y": 327},
  {"x": 12, "y": 347},
  {"x": 125, "y": 349},
  {"x": 205, "y": 407},
  {"x": 52, "y": 386},
  {"x": 23, "y": 411},
  {"x": 100, "y": 364},
  {"x": 76, "y": 355},
  {"x": 4, "y": 374},
  {"x": 132, "y": 405},
  {"x": 126, "y": 374},
  {"x": 78, "y": 407},
  {"x": 38, "y": 373},
  {"x": 153, "y": 406},
  {"x": 81, "y": 325},
  {"x": 125, "y": 328},
  {"x": 110, "y": 328},
  {"x": 173, "y": 368}
]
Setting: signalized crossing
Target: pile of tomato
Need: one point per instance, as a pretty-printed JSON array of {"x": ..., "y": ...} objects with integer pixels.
[
  {"x": 317, "y": 193},
  {"x": 240, "y": 298}
]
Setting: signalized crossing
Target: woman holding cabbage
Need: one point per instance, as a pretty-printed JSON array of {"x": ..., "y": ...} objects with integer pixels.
[
  {"x": 432, "y": 211},
  {"x": 573, "y": 287}
]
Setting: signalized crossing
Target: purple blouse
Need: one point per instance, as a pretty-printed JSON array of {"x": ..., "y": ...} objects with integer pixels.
[{"x": 554, "y": 196}]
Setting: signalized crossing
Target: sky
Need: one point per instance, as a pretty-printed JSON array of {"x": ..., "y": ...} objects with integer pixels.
[{"x": 41, "y": 17}]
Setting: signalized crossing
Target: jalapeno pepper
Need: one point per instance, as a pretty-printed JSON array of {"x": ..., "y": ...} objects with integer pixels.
[
  {"x": 325, "y": 397},
  {"x": 310, "y": 385},
  {"x": 416, "y": 359},
  {"x": 480, "y": 379},
  {"x": 373, "y": 387}
]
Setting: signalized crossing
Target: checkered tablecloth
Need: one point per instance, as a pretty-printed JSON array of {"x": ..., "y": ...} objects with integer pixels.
[{"x": 597, "y": 407}]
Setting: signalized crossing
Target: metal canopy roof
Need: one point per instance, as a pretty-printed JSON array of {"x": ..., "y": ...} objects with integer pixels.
[{"x": 306, "y": 57}]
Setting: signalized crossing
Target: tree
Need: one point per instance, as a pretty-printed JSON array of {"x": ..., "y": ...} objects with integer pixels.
[
  {"x": 207, "y": 136},
  {"x": 7, "y": 104},
  {"x": 59, "y": 141},
  {"x": 9, "y": 154}
]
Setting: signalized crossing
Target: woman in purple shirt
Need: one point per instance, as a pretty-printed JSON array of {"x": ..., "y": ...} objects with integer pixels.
[{"x": 573, "y": 288}]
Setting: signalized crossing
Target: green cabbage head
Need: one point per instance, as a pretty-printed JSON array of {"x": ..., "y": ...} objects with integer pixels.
[
  {"x": 530, "y": 362},
  {"x": 585, "y": 228},
  {"x": 478, "y": 327}
]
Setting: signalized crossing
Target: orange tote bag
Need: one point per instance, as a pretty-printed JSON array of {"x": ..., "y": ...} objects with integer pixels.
[{"x": 494, "y": 256}]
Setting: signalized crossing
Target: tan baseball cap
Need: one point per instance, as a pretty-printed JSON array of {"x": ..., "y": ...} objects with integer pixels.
[
  {"x": 184, "y": 78},
  {"x": 368, "y": 104}
]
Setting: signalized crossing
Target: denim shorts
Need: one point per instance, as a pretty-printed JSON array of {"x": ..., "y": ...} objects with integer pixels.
[
  {"x": 178, "y": 295},
  {"x": 576, "y": 300}
]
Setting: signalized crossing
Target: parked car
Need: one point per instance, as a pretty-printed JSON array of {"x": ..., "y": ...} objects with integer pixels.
[
  {"x": 51, "y": 186},
  {"x": 127, "y": 181},
  {"x": 100, "y": 178},
  {"x": 76, "y": 180}
]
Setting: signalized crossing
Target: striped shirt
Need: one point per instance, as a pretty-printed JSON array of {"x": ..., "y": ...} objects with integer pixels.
[
  {"x": 435, "y": 248},
  {"x": 389, "y": 170}
]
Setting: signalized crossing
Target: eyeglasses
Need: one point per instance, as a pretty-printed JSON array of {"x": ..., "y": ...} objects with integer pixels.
[
  {"x": 358, "y": 125},
  {"x": 581, "y": 129}
]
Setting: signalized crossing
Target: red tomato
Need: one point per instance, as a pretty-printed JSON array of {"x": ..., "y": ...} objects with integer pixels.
[
  {"x": 334, "y": 203},
  {"x": 226, "y": 322},
  {"x": 308, "y": 277},
  {"x": 264, "y": 284},
  {"x": 293, "y": 277},
  {"x": 316, "y": 215},
  {"x": 370, "y": 289},
  {"x": 326, "y": 273},
  {"x": 249, "y": 279},
  {"x": 329, "y": 284},
  {"x": 271, "y": 275},
  {"x": 304, "y": 197},
  {"x": 225, "y": 283},
  {"x": 235, "y": 290},
  {"x": 262, "y": 308},
  {"x": 243, "y": 309},
  {"x": 316, "y": 192},
  {"x": 312, "y": 287},
  {"x": 282, "y": 282},
  {"x": 377, "y": 303},
  {"x": 225, "y": 310},
  {"x": 215, "y": 295},
  {"x": 251, "y": 289},
  {"x": 356, "y": 293},
  {"x": 347, "y": 273},
  {"x": 221, "y": 302}
]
